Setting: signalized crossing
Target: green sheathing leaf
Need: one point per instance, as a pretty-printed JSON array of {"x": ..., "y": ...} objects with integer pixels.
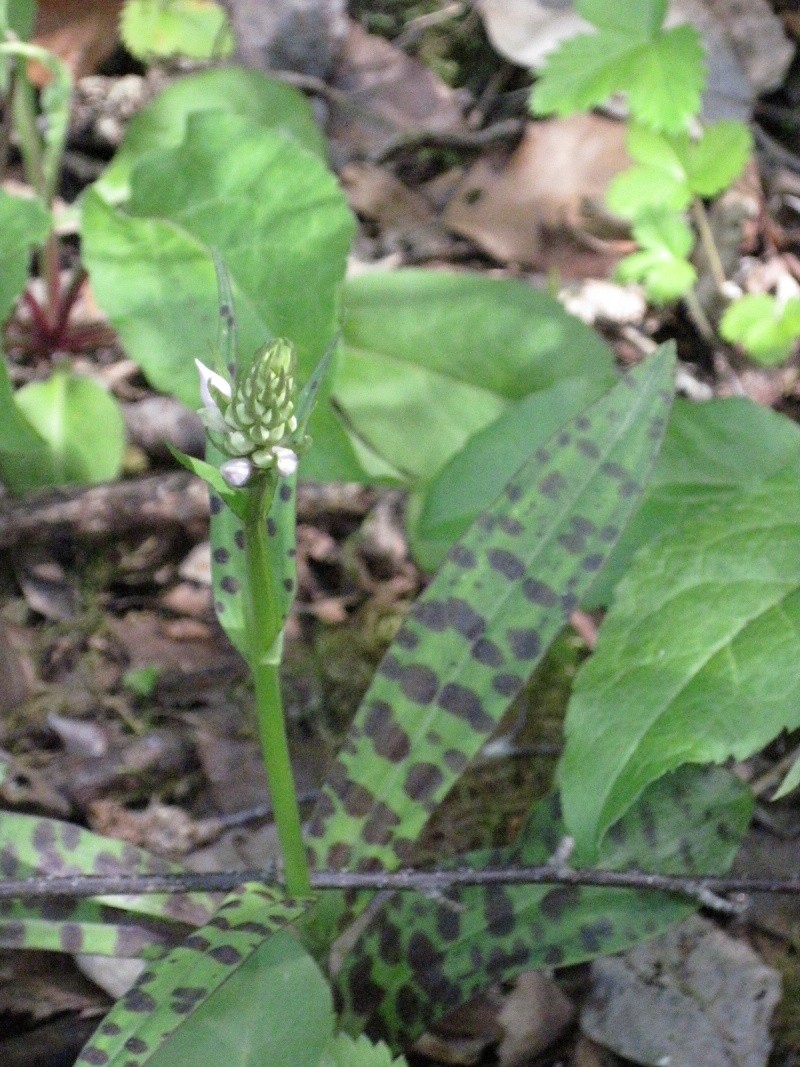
[
  {"x": 432, "y": 357},
  {"x": 679, "y": 674},
  {"x": 266, "y": 103},
  {"x": 662, "y": 71},
  {"x": 445, "y": 509},
  {"x": 766, "y": 328},
  {"x": 198, "y": 29},
  {"x": 711, "y": 452},
  {"x": 24, "y": 225},
  {"x": 420, "y": 957},
  {"x": 30, "y": 846},
  {"x": 167, "y": 995},
  {"x": 478, "y": 631},
  {"x": 72, "y": 414}
]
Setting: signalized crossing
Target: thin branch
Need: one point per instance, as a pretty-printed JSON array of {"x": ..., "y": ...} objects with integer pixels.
[{"x": 703, "y": 889}]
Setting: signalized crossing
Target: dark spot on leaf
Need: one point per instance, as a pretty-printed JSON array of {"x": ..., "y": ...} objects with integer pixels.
[
  {"x": 94, "y": 1055},
  {"x": 404, "y": 848},
  {"x": 110, "y": 1029},
  {"x": 390, "y": 943},
  {"x": 365, "y": 994},
  {"x": 70, "y": 936},
  {"x": 419, "y": 684},
  {"x": 512, "y": 527},
  {"x": 613, "y": 470},
  {"x": 339, "y": 856},
  {"x": 467, "y": 705},
  {"x": 448, "y": 922},
  {"x": 222, "y": 555},
  {"x": 541, "y": 455},
  {"x": 462, "y": 557},
  {"x": 285, "y": 492},
  {"x": 555, "y": 904},
  {"x": 12, "y": 933},
  {"x": 553, "y": 485},
  {"x": 9, "y": 862},
  {"x": 388, "y": 738},
  {"x": 617, "y": 833},
  {"x": 136, "y": 1046},
  {"x": 422, "y": 781},
  {"x": 593, "y": 935},
  {"x": 583, "y": 423},
  {"x": 408, "y": 1005},
  {"x": 464, "y": 619},
  {"x": 629, "y": 488},
  {"x": 391, "y": 667},
  {"x": 288, "y": 584},
  {"x": 272, "y": 527},
  {"x": 539, "y": 593},
  {"x": 455, "y": 760},
  {"x": 197, "y": 942},
  {"x": 513, "y": 492},
  {"x": 229, "y": 584},
  {"x": 214, "y": 504},
  {"x": 238, "y": 538},
  {"x": 649, "y": 828},
  {"x": 563, "y": 439},
  {"x": 382, "y": 820},
  {"x": 593, "y": 563},
  {"x": 139, "y": 1002},
  {"x": 506, "y": 563},
  {"x": 432, "y": 614},
  {"x": 407, "y": 639},
  {"x": 70, "y": 835},
  {"x": 506, "y": 684},
  {"x": 553, "y": 955},
  {"x": 609, "y": 533},
  {"x": 525, "y": 643},
  {"x": 226, "y": 954},
  {"x": 498, "y": 912},
  {"x": 572, "y": 542},
  {"x": 356, "y": 800},
  {"x": 587, "y": 448},
  {"x": 487, "y": 653},
  {"x": 44, "y": 836}
]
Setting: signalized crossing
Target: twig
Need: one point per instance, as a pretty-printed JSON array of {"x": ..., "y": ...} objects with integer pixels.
[
  {"x": 709, "y": 244},
  {"x": 704, "y": 888},
  {"x": 466, "y": 140}
]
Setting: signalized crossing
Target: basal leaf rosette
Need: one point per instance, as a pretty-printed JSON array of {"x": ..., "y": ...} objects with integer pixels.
[{"x": 252, "y": 419}]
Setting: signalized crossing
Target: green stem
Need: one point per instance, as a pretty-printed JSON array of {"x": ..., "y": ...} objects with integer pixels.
[
  {"x": 264, "y": 632},
  {"x": 708, "y": 243},
  {"x": 30, "y": 141}
]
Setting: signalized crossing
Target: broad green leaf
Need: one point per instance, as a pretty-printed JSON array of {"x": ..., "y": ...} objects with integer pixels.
[
  {"x": 420, "y": 956},
  {"x": 266, "y": 103},
  {"x": 30, "y": 845},
  {"x": 169, "y": 994},
  {"x": 662, "y": 72},
  {"x": 679, "y": 674},
  {"x": 638, "y": 19},
  {"x": 478, "y": 631},
  {"x": 73, "y": 415},
  {"x": 432, "y": 357},
  {"x": 346, "y": 1051},
  {"x": 673, "y": 169},
  {"x": 766, "y": 328},
  {"x": 662, "y": 266},
  {"x": 282, "y": 227},
  {"x": 23, "y": 453},
  {"x": 712, "y": 451},
  {"x": 198, "y": 29},
  {"x": 24, "y": 225},
  {"x": 475, "y": 476},
  {"x": 275, "y": 1010},
  {"x": 17, "y": 16},
  {"x": 790, "y": 782}
]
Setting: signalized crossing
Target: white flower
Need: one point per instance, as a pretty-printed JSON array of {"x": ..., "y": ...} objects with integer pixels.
[
  {"x": 212, "y": 413},
  {"x": 237, "y": 472},
  {"x": 285, "y": 460}
]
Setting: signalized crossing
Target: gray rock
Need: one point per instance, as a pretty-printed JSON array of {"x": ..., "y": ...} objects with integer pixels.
[
  {"x": 694, "y": 996},
  {"x": 299, "y": 35}
]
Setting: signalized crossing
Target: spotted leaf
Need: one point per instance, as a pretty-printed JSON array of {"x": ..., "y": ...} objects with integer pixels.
[
  {"x": 167, "y": 995},
  {"x": 30, "y": 846},
  {"x": 420, "y": 956},
  {"x": 475, "y": 636}
]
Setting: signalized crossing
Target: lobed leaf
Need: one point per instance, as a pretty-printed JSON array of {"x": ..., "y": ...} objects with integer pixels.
[
  {"x": 420, "y": 957},
  {"x": 478, "y": 631},
  {"x": 765, "y": 327},
  {"x": 169, "y": 994},
  {"x": 198, "y": 29},
  {"x": 662, "y": 265},
  {"x": 678, "y": 675}
]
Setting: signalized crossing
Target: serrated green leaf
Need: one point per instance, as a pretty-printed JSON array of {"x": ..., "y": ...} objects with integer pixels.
[
  {"x": 661, "y": 265},
  {"x": 71, "y": 414},
  {"x": 346, "y": 1051},
  {"x": 478, "y": 631},
  {"x": 678, "y": 675},
  {"x": 419, "y": 956},
  {"x": 766, "y": 328},
  {"x": 663, "y": 73},
  {"x": 197, "y": 29},
  {"x": 158, "y": 1012},
  {"x": 431, "y": 357},
  {"x": 712, "y": 451},
  {"x": 266, "y": 103},
  {"x": 673, "y": 169}
]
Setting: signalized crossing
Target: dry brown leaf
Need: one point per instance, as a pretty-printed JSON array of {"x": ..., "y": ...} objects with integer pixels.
[
  {"x": 384, "y": 94},
  {"x": 532, "y": 208},
  {"x": 83, "y": 33}
]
